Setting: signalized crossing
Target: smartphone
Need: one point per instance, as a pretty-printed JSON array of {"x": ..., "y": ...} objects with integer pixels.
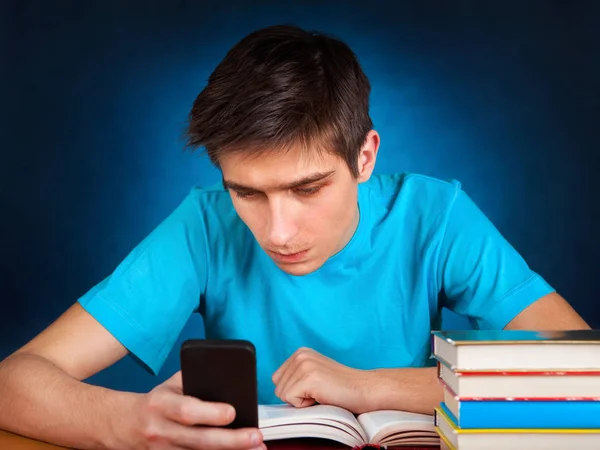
[{"x": 222, "y": 370}]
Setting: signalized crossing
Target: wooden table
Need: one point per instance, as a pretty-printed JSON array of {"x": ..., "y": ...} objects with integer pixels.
[{"x": 11, "y": 441}]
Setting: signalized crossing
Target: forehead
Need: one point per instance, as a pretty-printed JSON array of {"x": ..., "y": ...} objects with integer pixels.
[{"x": 276, "y": 167}]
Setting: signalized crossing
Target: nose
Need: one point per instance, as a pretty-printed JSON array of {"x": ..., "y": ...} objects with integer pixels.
[{"x": 282, "y": 225}]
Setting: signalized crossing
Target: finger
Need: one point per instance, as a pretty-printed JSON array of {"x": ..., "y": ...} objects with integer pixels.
[
  {"x": 299, "y": 397},
  {"x": 299, "y": 394},
  {"x": 303, "y": 363},
  {"x": 216, "y": 438},
  {"x": 279, "y": 372},
  {"x": 189, "y": 410},
  {"x": 297, "y": 390},
  {"x": 281, "y": 388},
  {"x": 298, "y": 356},
  {"x": 283, "y": 378}
]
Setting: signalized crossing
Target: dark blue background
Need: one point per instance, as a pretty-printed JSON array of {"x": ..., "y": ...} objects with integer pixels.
[{"x": 502, "y": 95}]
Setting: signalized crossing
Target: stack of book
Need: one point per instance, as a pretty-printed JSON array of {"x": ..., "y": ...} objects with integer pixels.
[{"x": 513, "y": 389}]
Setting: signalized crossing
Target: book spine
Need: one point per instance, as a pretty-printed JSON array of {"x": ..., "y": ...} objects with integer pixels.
[
  {"x": 513, "y": 399},
  {"x": 445, "y": 415},
  {"x": 548, "y": 414},
  {"x": 525, "y": 373}
]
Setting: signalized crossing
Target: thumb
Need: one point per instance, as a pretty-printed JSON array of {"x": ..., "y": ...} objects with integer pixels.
[{"x": 175, "y": 383}]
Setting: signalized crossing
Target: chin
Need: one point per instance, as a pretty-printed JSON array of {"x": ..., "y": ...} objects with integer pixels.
[{"x": 300, "y": 269}]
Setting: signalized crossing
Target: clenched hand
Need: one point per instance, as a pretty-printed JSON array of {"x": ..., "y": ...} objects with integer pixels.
[{"x": 308, "y": 377}]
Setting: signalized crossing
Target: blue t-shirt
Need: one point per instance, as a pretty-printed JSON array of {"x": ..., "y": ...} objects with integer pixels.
[{"x": 421, "y": 244}]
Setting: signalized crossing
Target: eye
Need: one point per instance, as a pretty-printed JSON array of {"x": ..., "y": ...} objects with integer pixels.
[
  {"x": 309, "y": 190},
  {"x": 240, "y": 194}
]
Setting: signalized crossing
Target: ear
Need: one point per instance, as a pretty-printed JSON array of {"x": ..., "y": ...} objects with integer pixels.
[{"x": 368, "y": 156}]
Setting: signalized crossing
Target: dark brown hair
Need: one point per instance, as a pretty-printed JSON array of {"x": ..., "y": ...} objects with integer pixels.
[{"x": 280, "y": 87}]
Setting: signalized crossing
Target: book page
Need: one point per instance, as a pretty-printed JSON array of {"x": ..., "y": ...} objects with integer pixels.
[
  {"x": 270, "y": 416},
  {"x": 311, "y": 430},
  {"x": 380, "y": 424}
]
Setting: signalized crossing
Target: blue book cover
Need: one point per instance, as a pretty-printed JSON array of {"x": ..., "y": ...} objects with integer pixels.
[
  {"x": 465, "y": 337},
  {"x": 475, "y": 414}
]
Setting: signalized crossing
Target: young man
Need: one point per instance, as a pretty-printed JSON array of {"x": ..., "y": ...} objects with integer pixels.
[{"x": 336, "y": 275}]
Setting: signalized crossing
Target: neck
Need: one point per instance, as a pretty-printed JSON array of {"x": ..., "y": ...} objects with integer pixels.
[{"x": 350, "y": 231}]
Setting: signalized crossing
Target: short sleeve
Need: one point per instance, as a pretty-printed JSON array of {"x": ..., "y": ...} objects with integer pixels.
[
  {"x": 482, "y": 276},
  {"x": 147, "y": 300}
]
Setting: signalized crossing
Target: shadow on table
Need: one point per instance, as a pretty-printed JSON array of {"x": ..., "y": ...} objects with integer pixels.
[{"x": 324, "y": 444}]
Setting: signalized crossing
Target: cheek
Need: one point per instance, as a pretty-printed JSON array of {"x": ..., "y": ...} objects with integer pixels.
[
  {"x": 329, "y": 215},
  {"x": 250, "y": 214}
]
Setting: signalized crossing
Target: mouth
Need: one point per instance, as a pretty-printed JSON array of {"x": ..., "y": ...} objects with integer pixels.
[{"x": 288, "y": 258}]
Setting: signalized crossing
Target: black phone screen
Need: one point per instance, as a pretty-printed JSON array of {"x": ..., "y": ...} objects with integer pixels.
[{"x": 222, "y": 371}]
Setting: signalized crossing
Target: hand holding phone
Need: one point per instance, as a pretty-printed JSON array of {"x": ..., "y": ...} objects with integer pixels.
[
  {"x": 211, "y": 404},
  {"x": 222, "y": 371},
  {"x": 165, "y": 418}
]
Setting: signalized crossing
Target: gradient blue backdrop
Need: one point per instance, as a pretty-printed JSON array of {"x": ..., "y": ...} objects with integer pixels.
[{"x": 502, "y": 95}]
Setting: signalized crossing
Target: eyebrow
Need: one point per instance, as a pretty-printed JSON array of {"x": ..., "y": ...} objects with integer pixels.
[{"x": 320, "y": 176}]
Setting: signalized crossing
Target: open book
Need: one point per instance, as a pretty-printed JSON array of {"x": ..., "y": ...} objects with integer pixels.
[{"x": 384, "y": 428}]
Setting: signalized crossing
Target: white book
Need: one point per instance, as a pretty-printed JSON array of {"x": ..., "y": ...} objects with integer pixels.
[
  {"x": 518, "y": 350},
  {"x": 521, "y": 385},
  {"x": 385, "y": 428}
]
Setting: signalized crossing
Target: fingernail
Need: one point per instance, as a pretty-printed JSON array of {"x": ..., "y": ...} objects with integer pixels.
[
  {"x": 255, "y": 439},
  {"x": 230, "y": 413}
]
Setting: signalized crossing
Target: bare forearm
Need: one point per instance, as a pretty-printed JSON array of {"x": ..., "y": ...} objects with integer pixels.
[
  {"x": 410, "y": 389},
  {"x": 40, "y": 401}
]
